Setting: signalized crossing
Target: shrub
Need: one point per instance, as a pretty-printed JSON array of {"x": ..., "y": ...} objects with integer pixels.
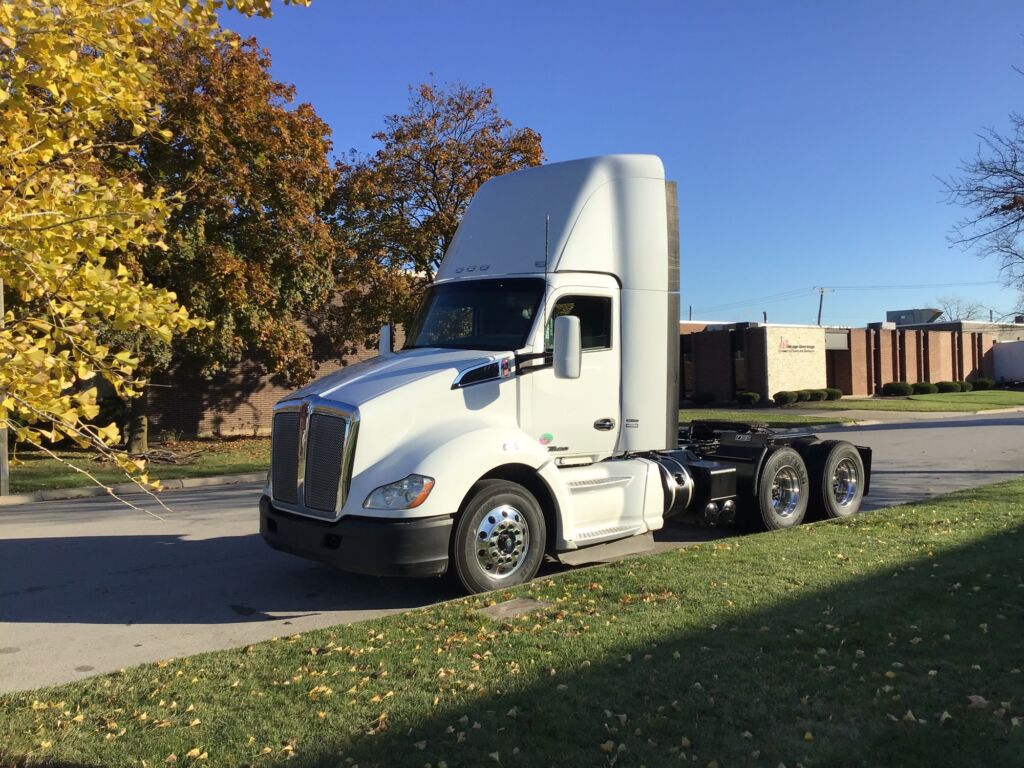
[
  {"x": 948, "y": 386},
  {"x": 816, "y": 395},
  {"x": 784, "y": 398},
  {"x": 803, "y": 395},
  {"x": 897, "y": 389},
  {"x": 703, "y": 398},
  {"x": 748, "y": 398},
  {"x": 925, "y": 388},
  {"x": 831, "y": 393},
  {"x": 982, "y": 383},
  {"x": 965, "y": 386}
]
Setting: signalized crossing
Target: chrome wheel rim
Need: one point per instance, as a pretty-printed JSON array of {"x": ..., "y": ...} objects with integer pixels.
[
  {"x": 845, "y": 482},
  {"x": 785, "y": 491},
  {"x": 502, "y": 541}
]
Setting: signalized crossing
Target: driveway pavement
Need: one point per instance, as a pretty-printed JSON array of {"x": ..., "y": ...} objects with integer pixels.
[{"x": 89, "y": 586}]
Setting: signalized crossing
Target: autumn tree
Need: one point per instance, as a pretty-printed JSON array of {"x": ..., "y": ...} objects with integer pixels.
[
  {"x": 991, "y": 186},
  {"x": 246, "y": 248},
  {"x": 68, "y": 69},
  {"x": 394, "y": 212}
]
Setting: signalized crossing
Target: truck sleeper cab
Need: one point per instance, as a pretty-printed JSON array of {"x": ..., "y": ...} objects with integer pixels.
[{"x": 533, "y": 408}]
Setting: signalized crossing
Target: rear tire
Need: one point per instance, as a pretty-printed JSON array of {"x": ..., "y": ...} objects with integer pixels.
[
  {"x": 500, "y": 537},
  {"x": 783, "y": 489},
  {"x": 837, "y": 479}
]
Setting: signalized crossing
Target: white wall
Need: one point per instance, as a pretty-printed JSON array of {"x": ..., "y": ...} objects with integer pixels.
[
  {"x": 796, "y": 358},
  {"x": 1008, "y": 360}
]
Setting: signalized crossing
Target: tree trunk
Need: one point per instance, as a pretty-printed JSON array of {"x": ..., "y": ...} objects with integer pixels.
[{"x": 138, "y": 424}]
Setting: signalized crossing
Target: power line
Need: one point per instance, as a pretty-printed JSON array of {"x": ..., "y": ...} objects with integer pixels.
[
  {"x": 802, "y": 292},
  {"x": 770, "y": 299},
  {"x": 910, "y": 286}
]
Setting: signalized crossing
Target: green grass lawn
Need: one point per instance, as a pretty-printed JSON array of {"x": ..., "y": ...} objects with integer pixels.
[
  {"x": 894, "y": 638},
  {"x": 772, "y": 417},
  {"x": 37, "y": 471},
  {"x": 955, "y": 401}
]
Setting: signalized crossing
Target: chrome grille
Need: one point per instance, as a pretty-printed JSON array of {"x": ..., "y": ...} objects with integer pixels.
[
  {"x": 325, "y": 448},
  {"x": 284, "y": 457}
]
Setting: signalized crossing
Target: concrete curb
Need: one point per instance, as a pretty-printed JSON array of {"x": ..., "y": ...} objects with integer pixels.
[{"x": 62, "y": 494}]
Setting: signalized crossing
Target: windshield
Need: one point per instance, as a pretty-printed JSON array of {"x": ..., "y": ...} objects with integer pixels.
[{"x": 477, "y": 314}]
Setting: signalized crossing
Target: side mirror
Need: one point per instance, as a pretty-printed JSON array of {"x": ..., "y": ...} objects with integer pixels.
[
  {"x": 385, "y": 346},
  {"x": 567, "y": 348}
]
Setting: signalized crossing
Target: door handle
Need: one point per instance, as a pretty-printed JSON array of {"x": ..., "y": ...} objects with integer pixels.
[{"x": 604, "y": 425}]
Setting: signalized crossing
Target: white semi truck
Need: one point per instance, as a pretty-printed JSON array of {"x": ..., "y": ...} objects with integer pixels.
[{"x": 533, "y": 410}]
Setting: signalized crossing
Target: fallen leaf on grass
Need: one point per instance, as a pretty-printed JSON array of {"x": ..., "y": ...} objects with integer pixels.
[{"x": 977, "y": 702}]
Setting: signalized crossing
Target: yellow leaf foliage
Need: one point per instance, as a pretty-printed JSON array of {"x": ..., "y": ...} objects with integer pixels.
[{"x": 68, "y": 69}]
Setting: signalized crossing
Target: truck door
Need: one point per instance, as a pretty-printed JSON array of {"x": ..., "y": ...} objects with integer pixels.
[{"x": 579, "y": 417}]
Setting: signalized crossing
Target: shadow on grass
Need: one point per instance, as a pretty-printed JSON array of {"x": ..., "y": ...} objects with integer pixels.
[{"x": 824, "y": 679}]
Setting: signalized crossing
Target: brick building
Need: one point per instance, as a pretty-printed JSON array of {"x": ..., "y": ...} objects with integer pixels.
[
  {"x": 716, "y": 357},
  {"x": 238, "y": 402},
  {"x": 723, "y": 358}
]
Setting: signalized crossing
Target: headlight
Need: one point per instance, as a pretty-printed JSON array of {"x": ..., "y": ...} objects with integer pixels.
[{"x": 407, "y": 493}]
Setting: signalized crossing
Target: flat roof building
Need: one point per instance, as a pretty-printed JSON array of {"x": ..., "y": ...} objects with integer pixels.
[{"x": 722, "y": 358}]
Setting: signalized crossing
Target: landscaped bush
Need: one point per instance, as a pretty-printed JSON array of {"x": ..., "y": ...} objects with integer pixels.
[
  {"x": 748, "y": 398},
  {"x": 816, "y": 395},
  {"x": 982, "y": 384},
  {"x": 948, "y": 386},
  {"x": 925, "y": 388},
  {"x": 897, "y": 389},
  {"x": 784, "y": 398},
  {"x": 703, "y": 398},
  {"x": 965, "y": 386},
  {"x": 803, "y": 395},
  {"x": 832, "y": 393}
]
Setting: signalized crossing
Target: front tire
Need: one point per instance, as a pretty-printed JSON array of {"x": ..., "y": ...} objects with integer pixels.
[
  {"x": 499, "y": 538},
  {"x": 783, "y": 490}
]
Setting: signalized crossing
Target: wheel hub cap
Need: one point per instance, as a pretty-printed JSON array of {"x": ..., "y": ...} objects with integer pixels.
[
  {"x": 502, "y": 541},
  {"x": 845, "y": 482},
  {"x": 785, "y": 491}
]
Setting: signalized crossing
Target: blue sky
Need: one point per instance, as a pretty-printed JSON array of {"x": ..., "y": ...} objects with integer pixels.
[{"x": 806, "y": 137}]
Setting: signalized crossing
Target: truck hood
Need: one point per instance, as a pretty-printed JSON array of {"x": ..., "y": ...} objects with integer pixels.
[{"x": 355, "y": 384}]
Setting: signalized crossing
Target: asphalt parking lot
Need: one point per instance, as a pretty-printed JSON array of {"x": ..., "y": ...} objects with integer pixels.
[{"x": 90, "y": 586}]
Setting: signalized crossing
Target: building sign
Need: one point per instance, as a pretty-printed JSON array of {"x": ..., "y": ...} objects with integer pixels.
[{"x": 786, "y": 346}]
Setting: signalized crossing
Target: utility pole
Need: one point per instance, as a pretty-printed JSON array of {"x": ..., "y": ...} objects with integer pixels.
[
  {"x": 821, "y": 300},
  {"x": 5, "y": 487},
  {"x": 690, "y": 316},
  {"x": 764, "y": 314}
]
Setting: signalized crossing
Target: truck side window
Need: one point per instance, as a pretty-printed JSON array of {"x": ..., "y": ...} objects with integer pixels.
[{"x": 595, "y": 314}]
